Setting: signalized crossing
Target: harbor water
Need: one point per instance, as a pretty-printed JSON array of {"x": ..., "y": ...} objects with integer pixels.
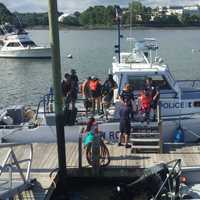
[{"x": 24, "y": 81}]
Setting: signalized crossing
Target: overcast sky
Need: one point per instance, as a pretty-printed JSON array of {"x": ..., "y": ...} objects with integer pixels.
[{"x": 70, "y": 6}]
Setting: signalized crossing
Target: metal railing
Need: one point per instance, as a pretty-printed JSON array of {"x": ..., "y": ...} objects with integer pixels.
[
  {"x": 12, "y": 164},
  {"x": 173, "y": 174},
  {"x": 159, "y": 121},
  {"x": 47, "y": 102}
]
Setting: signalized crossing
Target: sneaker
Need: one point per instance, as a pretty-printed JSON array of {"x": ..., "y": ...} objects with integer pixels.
[
  {"x": 120, "y": 144},
  {"x": 128, "y": 146}
]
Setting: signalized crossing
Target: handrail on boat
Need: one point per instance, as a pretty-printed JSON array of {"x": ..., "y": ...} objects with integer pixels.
[
  {"x": 172, "y": 174},
  {"x": 49, "y": 98},
  {"x": 44, "y": 100},
  {"x": 11, "y": 162}
]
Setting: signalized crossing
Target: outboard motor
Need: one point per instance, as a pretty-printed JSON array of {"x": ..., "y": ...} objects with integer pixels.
[
  {"x": 151, "y": 185},
  {"x": 16, "y": 113},
  {"x": 145, "y": 187}
]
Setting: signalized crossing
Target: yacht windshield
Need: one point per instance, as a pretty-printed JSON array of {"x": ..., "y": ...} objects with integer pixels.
[
  {"x": 28, "y": 44},
  {"x": 13, "y": 44}
]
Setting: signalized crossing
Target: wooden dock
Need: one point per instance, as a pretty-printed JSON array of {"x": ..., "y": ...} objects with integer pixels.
[{"x": 45, "y": 161}]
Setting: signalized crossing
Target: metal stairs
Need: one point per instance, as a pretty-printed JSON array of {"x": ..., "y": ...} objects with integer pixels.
[{"x": 147, "y": 137}]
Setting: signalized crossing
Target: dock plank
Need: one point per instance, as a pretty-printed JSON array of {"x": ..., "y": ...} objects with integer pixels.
[{"x": 45, "y": 160}]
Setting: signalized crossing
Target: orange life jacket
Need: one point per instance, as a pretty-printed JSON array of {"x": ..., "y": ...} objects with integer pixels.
[
  {"x": 93, "y": 84},
  {"x": 145, "y": 101}
]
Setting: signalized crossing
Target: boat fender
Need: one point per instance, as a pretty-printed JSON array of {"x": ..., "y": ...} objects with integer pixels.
[
  {"x": 178, "y": 135},
  {"x": 69, "y": 56}
]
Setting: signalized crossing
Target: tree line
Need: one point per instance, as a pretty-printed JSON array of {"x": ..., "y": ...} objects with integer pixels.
[{"x": 103, "y": 16}]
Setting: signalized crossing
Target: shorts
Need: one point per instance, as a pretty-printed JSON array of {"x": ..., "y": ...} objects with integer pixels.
[
  {"x": 107, "y": 98},
  {"x": 125, "y": 127},
  {"x": 95, "y": 93},
  {"x": 87, "y": 103}
]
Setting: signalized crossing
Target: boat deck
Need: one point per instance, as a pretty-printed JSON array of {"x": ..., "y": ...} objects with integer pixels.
[{"x": 45, "y": 160}]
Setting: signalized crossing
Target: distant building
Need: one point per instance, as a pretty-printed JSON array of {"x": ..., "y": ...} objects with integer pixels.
[
  {"x": 62, "y": 17},
  {"x": 174, "y": 10},
  {"x": 139, "y": 18},
  {"x": 158, "y": 11},
  {"x": 191, "y": 10}
]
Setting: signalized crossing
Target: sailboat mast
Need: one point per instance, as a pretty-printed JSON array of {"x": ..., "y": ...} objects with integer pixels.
[{"x": 119, "y": 36}]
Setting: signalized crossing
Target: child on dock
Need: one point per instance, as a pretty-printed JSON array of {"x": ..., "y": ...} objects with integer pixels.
[{"x": 90, "y": 130}]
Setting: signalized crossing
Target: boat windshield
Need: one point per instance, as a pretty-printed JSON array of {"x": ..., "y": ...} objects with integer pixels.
[
  {"x": 28, "y": 44},
  {"x": 138, "y": 82}
]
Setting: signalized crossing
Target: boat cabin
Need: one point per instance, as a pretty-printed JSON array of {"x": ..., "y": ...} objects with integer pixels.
[
  {"x": 16, "y": 41},
  {"x": 143, "y": 62},
  {"x": 140, "y": 64},
  {"x": 24, "y": 44}
]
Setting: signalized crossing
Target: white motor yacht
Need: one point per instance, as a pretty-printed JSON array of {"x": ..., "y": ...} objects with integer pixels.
[{"x": 18, "y": 44}]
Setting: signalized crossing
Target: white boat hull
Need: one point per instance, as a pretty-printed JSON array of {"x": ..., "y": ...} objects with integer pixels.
[
  {"x": 37, "y": 52},
  {"x": 110, "y": 131}
]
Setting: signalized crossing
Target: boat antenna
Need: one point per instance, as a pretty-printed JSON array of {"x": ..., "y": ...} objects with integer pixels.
[
  {"x": 118, "y": 19},
  {"x": 19, "y": 24},
  {"x": 131, "y": 24}
]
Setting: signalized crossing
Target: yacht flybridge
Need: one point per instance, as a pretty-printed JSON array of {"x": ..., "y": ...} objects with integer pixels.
[{"x": 17, "y": 44}]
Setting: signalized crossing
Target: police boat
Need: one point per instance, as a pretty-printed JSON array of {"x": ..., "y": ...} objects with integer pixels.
[
  {"x": 179, "y": 103},
  {"x": 179, "y": 99}
]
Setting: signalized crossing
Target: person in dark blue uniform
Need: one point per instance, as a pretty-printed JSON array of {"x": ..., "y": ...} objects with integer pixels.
[
  {"x": 107, "y": 93},
  {"x": 74, "y": 88},
  {"x": 66, "y": 87},
  {"x": 128, "y": 96},
  {"x": 125, "y": 124}
]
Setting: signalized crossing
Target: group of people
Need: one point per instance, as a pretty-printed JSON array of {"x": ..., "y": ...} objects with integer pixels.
[
  {"x": 148, "y": 100},
  {"x": 100, "y": 96},
  {"x": 70, "y": 89},
  {"x": 97, "y": 94}
]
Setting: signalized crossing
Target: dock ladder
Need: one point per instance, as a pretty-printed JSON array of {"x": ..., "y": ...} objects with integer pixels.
[
  {"x": 147, "y": 137},
  {"x": 13, "y": 179}
]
